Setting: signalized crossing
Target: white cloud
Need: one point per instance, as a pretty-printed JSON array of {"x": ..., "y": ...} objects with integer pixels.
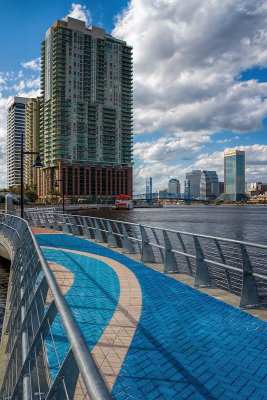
[
  {"x": 33, "y": 64},
  {"x": 187, "y": 57},
  {"x": 80, "y": 12},
  {"x": 168, "y": 149}
]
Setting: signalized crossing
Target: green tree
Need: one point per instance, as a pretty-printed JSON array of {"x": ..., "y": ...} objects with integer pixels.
[{"x": 32, "y": 195}]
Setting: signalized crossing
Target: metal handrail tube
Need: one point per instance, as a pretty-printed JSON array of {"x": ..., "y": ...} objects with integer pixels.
[
  {"x": 93, "y": 380},
  {"x": 94, "y": 383}
]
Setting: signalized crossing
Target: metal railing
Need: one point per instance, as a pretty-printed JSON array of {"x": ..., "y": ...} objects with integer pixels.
[
  {"x": 45, "y": 349},
  {"x": 236, "y": 266}
]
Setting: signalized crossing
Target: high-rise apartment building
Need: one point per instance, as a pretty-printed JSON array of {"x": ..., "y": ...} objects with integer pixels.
[
  {"x": 174, "y": 186},
  {"x": 234, "y": 175},
  {"x": 32, "y": 126},
  {"x": 86, "y": 115},
  {"x": 194, "y": 177},
  {"x": 209, "y": 185},
  {"x": 15, "y": 137}
]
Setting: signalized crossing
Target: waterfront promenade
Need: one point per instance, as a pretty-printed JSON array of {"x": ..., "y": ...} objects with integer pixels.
[{"x": 151, "y": 336}]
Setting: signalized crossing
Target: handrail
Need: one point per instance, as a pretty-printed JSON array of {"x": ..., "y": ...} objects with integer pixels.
[
  {"x": 94, "y": 383},
  {"x": 206, "y": 257}
]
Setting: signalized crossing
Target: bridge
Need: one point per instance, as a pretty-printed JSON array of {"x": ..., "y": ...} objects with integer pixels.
[
  {"x": 169, "y": 196},
  {"x": 105, "y": 309}
]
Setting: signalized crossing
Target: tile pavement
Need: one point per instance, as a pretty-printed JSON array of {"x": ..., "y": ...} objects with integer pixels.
[{"x": 187, "y": 345}]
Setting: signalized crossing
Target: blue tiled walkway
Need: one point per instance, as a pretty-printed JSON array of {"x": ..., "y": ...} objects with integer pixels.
[{"x": 187, "y": 344}]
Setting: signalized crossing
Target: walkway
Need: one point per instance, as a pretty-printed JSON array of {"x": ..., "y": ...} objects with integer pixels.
[{"x": 151, "y": 336}]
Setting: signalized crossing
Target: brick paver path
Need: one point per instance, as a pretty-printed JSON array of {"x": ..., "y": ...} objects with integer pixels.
[{"x": 187, "y": 345}]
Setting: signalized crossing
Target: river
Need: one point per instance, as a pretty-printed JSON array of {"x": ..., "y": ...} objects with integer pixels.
[{"x": 247, "y": 223}]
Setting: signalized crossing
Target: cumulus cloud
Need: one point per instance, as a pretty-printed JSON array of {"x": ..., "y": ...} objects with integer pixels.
[
  {"x": 32, "y": 64},
  {"x": 187, "y": 60},
  {"x": 168, "y": 148},
  {"x": 80, "y": 12}
]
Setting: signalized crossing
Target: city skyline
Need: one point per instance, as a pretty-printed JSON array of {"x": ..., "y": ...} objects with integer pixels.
[{"x": 199, "y": 90}]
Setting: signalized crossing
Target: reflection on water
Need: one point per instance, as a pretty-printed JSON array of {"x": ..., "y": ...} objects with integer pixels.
[
  {"x": 4, "y": 275},
  {"x": 246, "y": 223}
]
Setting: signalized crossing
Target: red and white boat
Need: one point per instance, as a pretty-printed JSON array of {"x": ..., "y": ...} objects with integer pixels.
[{"x": 123, "y": 202}]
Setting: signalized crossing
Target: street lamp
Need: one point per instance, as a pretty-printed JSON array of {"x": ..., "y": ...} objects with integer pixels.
[
  {"x": 37, "y": 164},
  {"x": 63, "y": 184}
]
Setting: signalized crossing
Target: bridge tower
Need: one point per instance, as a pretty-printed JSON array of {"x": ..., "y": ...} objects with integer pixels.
[
  {"x": 149, "y": 190},
  {"x": 187, "y": 199}
]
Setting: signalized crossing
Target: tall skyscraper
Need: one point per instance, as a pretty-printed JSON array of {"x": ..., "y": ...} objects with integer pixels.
[
  {"x": 86, "y": 117},
  {"x": 234, "y": 175},
  {"x": 209, "y": 185},
  {"x": 15, "y": 137},
  {"x": 174, "y": 186},
  {"x": 194, "y": 177},
  {"x": 32, "y": 127}
]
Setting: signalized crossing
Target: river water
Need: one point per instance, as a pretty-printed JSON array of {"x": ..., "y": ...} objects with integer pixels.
[{"x": 247, "y": 223}]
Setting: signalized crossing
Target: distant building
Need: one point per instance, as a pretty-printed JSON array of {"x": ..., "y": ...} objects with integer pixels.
[
  {"x": 257, "y": 188},
  {"x": 32, "y": 127},
  {"x": 162, "y": 193},
  {"x": 187, "y": 188},
  {"x": 174, "y": 186},
  {"x": 15, "y": 137},
  {"x": 234, "y": 175},
  {"x": 209, "y": 185},
  {"x": 194, "y": 177},
  {"x": 221, "y": 188}
]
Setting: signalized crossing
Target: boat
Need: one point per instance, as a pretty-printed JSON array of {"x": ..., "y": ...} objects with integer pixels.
[{"x": 123, "y": 202}]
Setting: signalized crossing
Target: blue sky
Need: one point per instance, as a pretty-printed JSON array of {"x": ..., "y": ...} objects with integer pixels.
[{"x": 200, "y": 77}]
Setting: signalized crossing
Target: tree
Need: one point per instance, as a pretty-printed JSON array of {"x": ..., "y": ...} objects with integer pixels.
[{"x": 32, "y": 195}]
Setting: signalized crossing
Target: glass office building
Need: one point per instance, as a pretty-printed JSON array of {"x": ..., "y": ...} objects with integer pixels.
[{"x": 234, "y": 175}]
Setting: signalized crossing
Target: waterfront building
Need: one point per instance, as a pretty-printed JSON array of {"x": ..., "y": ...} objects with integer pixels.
[
  {"x": 194, "y": 177},
  {"x": 174, "y": 186},
  {"x": 221, "y": 188},
  {"x": 86, "y": 117},
  {"x": 234, "y": 175},
  {"x": 209, "y": 185},
  {"x": 15, "y": 138},
  {"x": 187, "y": 191},
  {"x": 32, "y": 127}
]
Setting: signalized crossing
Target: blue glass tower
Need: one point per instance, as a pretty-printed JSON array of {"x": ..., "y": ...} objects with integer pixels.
[{"x": 234, "y": 175}]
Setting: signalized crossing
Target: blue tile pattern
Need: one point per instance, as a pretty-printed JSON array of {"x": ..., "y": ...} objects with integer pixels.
[
  {"x": 188, "y": 345},
  {"x": 92, "y": 301}
]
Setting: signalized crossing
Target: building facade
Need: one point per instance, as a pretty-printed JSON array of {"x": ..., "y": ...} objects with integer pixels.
[
  {"x": 174, "y": 186},
  {"x": 234, "y": 175},
  {"x": 32, "y": 127},
  {"x": 209, "y": 185},
  {"x": 86, "y": 114},
  {"x": 15, "y": 138},
  {"x": 194, "y": 177}
]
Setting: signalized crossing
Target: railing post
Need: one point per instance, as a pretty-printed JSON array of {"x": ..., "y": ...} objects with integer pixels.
[
  {"x": 127, "y": 247},
  {"x": 74, "y": 226},
  {"x": 65, "y": 227},
  {"x": 202, "y": 278},
  {"x": 147, "y": 254},
  {"x": 224, "y": 262},
  {"x": 170, "y": 264},
  {"x": 86, "y": 230},
  {"x": 112, "y": 242},
  {"x": 38, "y": 222},
  {"x": 185, "y": 251},
  {"x": 47, "y": 224},
  {"x": 249, "y": 295},
  {"x": 98, "y": 233},
  {"x": 55, "y": 223}
]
